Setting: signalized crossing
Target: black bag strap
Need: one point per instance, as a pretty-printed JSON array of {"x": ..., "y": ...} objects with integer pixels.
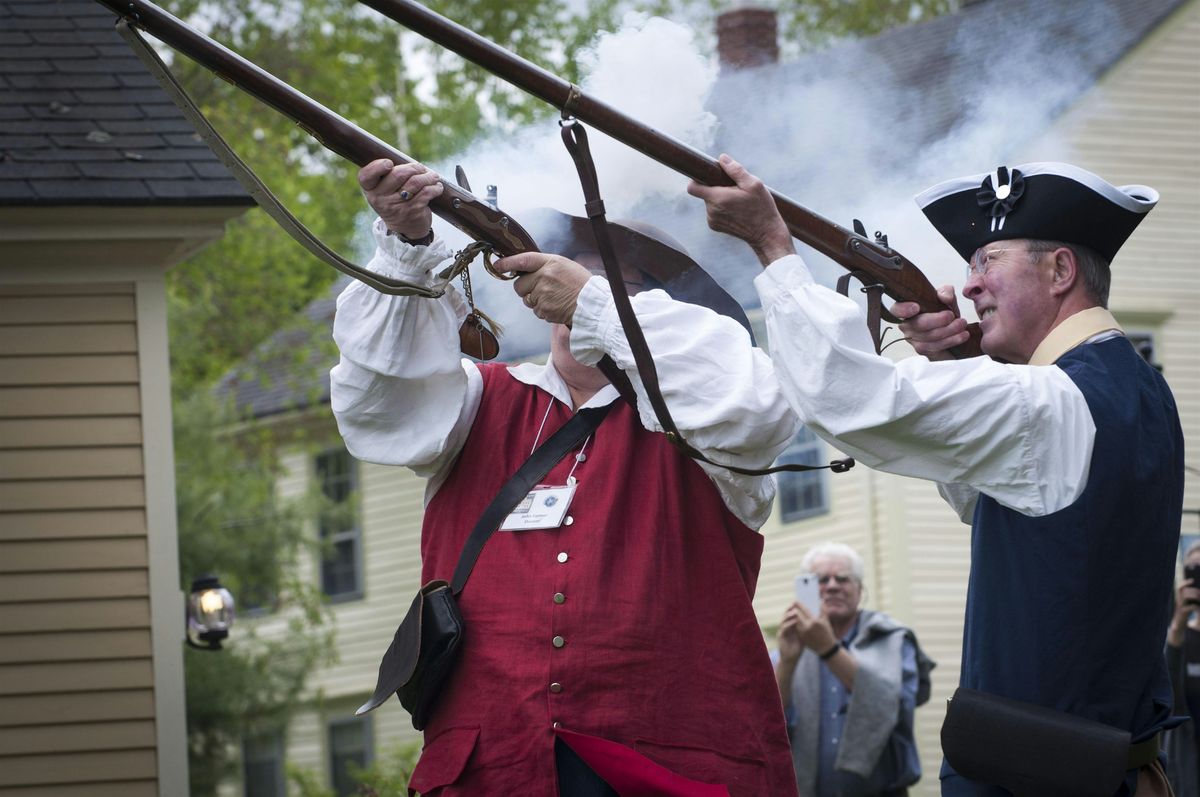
[
  {"x": 575, "y": 138},
  {"x": 547, "y": 455}
]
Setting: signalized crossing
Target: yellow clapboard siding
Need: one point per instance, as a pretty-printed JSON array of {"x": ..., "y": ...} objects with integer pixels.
[
  {"x": 69, "y": 339},
  {"x": 63, "y": 463},
  {"x": 54, "y": 401},
  {"x": 69, "y": 309},
  {"x": 75, "y": 676},
  {"x": 77, "y": 767},
  {"x": 129, "y": 613},
  {"x": 72, "y": 370},
  {"x": 133, "y": 704},
  {"x": 43, "y": 646},
  {"x": 69, "y": 432},
  {"x": 72, "y": 494},
  {"x": 85, "y": 736},
  {"x": 122, "y": 788},
  {"x": 32, "y": 556},
  {"x": 29, "y": 587},
  {"x": 72, "y": 524}
]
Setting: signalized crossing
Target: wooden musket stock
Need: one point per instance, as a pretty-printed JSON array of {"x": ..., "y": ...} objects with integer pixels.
[
  {"x": 901, "y": 279},
  {"x": 465, "y": 211}
]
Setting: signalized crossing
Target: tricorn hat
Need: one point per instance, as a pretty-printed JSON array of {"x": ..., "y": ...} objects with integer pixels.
[
  {"x": 661, "y": 259},
  {"x": 1041, "y": 201}
]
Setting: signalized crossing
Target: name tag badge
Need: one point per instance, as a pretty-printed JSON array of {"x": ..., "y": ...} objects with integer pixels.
[{"x": 544, "y": 508}]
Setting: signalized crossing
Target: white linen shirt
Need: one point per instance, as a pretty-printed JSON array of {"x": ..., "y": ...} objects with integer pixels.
[
  {"x": 403, "y": 395},
  {"x": 1021, "y": 434}
]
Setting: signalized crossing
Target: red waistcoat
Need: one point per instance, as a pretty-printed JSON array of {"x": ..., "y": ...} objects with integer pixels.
[{"x": 633, "y": 623}]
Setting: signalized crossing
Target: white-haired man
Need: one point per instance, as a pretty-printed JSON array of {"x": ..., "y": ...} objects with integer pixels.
[{"x": 850, "y": 679}]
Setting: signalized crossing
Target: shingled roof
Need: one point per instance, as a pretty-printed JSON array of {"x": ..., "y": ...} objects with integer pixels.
[{"x": 83, "y": 123}]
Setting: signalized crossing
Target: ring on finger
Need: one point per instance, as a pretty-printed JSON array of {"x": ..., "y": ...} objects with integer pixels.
[{"x": 404, "y": 195}]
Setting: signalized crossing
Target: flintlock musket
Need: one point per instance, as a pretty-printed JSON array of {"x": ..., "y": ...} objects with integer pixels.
[{"x": 881, "y": 264}]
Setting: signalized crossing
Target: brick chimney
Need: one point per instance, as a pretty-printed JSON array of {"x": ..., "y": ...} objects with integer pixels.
[{"x": 747, "y": 37}]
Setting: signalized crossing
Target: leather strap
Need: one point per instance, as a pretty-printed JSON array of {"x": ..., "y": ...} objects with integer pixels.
[
  {"x": 582, "y": 424},
  {"x": 575, "y": 138},
  {"x": 255, "y": 187},
  {"x": 876, "y": 313}
]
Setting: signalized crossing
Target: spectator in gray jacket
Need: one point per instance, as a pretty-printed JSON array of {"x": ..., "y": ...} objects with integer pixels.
[{"x": 850, "y": 679}]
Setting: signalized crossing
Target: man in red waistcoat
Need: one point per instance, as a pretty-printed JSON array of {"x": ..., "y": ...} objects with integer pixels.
[{"x": 616, "y": 652}]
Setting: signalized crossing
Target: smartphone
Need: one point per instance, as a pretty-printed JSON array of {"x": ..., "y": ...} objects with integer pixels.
[
  {"x": 1192, "y": 572},
  {"x": 808, "y": 593}
]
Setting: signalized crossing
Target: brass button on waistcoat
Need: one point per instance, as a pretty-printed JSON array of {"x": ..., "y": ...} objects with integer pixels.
[
  {"x": 558, "y": 642},
  {"x": 559, "y": 597},
  {"x": 556, "y": 688}
]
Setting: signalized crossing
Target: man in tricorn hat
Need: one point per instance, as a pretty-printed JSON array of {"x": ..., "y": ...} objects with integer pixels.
[
  {"x": 615, "y": 648},
  {"x": 1062, "y": 448}
]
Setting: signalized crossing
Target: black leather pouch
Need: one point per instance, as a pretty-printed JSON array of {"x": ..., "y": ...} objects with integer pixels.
[
  {"x": 422, "y": 655},
  {"x": 1031, "y": 750}
]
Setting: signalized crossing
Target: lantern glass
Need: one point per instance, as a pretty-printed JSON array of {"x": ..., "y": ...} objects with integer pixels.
[{"x": 210, "y": 611}]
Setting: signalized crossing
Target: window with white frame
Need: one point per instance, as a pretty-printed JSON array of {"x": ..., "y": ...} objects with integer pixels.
[
  {"x": 262, "y": 765},
  {"x": 803, "y": 494},
  {"x": 1143, "y": 343},
  {"x": 351, "y": 748},
  {"x": 340, "y": 535}
]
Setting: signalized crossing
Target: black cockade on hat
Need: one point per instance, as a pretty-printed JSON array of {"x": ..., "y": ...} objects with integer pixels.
[{"x": 999, "y": 199}]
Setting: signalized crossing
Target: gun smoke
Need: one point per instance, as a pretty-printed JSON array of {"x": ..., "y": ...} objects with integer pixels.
[{"x": 852, "y": 132}]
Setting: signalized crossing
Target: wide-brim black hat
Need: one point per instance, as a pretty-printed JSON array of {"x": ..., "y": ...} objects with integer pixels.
[
  {"x": 1040, "y": 201},
  {"x": 661, "y": 259}
]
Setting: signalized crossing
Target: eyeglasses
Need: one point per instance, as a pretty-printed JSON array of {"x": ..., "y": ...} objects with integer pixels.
[
  {"x": 984, "y": 259},
  {"x": 841, "y": 578}
]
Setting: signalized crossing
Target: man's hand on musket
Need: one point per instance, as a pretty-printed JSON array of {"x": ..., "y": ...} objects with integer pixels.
[
  {"x": 549, "y": 284},
  {"x": 401, "y": 195},
  {"x": 933, "y": 334},
  {"x": 745, "y": 210}
]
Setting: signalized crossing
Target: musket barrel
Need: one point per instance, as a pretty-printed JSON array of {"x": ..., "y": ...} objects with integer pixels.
[{"x": 901, "y": 279}]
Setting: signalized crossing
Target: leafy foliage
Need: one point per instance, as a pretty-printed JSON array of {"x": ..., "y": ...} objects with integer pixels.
[{"x": 387, "y": 775}]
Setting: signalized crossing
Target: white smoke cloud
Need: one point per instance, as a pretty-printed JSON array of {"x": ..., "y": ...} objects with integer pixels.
[
  {"x": 851, "y": 139},
  {"x": 649, "y": 69}
]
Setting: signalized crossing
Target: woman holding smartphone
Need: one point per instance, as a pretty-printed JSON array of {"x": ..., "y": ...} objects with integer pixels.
[{"x": 1183, "y": 662}]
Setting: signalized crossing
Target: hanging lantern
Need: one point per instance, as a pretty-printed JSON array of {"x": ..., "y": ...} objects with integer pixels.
[{"x": 209, "y": 613}]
